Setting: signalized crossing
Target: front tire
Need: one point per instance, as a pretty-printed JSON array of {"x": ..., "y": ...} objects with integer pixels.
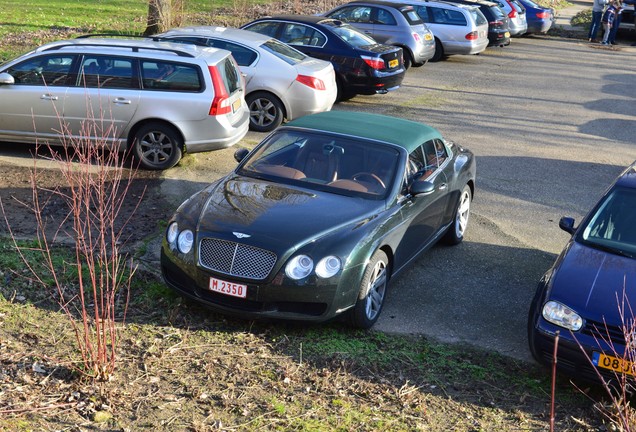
[
  {"x": 157, "y": 146},
  {"x": 456, "y": 232},
  {"x": 372, "y": 292},
  {"x": 266, "y": 111}
]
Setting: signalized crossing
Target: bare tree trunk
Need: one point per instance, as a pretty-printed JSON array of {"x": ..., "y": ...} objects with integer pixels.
[{"x": 159, "y": 16}]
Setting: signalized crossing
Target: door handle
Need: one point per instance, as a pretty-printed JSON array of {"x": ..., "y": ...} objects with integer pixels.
[
  {"x": 122, "y": 101},
  {"x": 443, "y": 186},
  {"x": 48, "y": 96}
]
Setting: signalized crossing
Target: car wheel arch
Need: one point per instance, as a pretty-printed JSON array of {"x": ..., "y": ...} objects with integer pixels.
[
  {"x": 134, "y": 129},
  {"x": 286, "y": 108}
]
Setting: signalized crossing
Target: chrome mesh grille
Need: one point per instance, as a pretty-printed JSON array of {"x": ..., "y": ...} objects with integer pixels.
[{"x": 236, "y": 259}]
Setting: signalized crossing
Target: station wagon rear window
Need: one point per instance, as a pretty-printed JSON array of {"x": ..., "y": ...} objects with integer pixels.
[{"x": 161, "y": 75}]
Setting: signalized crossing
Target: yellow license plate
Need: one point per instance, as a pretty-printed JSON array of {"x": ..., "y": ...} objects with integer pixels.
[
  {"x": 612, "y": 363},
  {"x": 393, "y": 63},
  {"x": 236, "y": 105},
  {"x": 507, "y": 34},
  {"x": 428, "y": 36}
]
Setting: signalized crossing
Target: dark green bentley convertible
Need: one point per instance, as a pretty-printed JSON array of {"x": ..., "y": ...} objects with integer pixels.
[{"x": 315, "y": 221}]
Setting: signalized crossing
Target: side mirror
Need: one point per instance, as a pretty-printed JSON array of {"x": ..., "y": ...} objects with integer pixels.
[
  {"x": 421, "y": 187},
  {"x": 567, "y": 224},
  {"x": 240, "y": 154},
  {"x": 6, "y": 79}
]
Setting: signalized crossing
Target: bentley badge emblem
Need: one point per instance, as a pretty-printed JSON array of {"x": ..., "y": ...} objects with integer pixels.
[{"x": 240, "y": 235}]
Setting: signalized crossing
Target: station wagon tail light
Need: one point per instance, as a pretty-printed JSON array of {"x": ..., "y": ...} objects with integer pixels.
[
  {"x": 474, "y": 35},
  {"x": 561, "y": 315},
  {"x": 313, "y": 82},
  {"x": 543, "y": 15},
  {"x": 374, "y": 62},
  {"x": 495, "y": 23},
  {"x": 221, "y": 102},
  {"x": 512, "y": 14},
  {"x": 417, "y": 37}
]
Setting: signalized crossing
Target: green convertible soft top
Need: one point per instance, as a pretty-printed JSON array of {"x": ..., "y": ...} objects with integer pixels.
[{"x": 405, "y": 133}]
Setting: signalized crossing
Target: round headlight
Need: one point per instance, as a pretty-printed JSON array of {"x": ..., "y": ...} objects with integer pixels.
[
  {"x": 173, "y": 231},
  {"x": 299, "y": 267},
  {"x": 561, "y": 315},
  {"x": 185, "y": 241},
  {"x": 328, "y": 266}
]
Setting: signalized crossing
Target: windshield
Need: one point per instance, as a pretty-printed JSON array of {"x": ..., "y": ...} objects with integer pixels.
[
  {"x": 352, "y": 36},
  {"x": 613, "y": 224},
  {"x": 325, "y": 162},
  {"x": 284, "y": 51}
]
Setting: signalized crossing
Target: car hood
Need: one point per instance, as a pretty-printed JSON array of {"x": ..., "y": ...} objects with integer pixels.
[
  {"x": 278, "y": 217},
  {"x": 592, "y": 281}
]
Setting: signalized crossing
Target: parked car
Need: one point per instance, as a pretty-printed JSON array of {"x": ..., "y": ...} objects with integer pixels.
[
  {"x": 362, "y": 65},
  {"x": 517, "y": 14},
  {"x": 392, "y": 24},
  {"x": 159, "y": 99},
  {"x": 318, "y": 218},
  {"x": 628, "y": 20},
  {"x": 591, "y": 284},
  {"x": 498, "y": 21},
  {"x": 458, "y": 28},
  {"x": 539, "y": 18},
  {"x": 281, "y": 82}
]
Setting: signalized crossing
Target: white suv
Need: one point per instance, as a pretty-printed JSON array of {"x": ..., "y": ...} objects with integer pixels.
[{"x": 158, "y": 99}]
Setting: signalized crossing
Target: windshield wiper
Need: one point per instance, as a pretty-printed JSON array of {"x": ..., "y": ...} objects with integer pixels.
[{"x": 610, "y": 249}]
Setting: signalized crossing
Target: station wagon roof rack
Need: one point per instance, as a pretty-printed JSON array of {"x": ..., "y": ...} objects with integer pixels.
[
  {"x": 180, "y": 53},
  {"x": 124, "y": 35}
]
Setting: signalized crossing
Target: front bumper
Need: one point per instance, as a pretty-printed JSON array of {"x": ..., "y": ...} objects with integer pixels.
[
  {"x": 574, "y": 352},
  {"x": 273, "y": 299}
]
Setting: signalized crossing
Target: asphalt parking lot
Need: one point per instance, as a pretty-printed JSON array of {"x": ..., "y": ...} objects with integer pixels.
[{"x": 552, "y": 122}]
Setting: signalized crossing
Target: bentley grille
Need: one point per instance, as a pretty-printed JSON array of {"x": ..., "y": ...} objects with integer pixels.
[{"x": 236, "y": 259}]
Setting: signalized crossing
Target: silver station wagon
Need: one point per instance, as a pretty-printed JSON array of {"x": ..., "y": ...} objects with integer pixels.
[
  {"x": 281, "y": 82},
  {"x": 157, "y": 99},
  {"x": 458, "y": 29}
]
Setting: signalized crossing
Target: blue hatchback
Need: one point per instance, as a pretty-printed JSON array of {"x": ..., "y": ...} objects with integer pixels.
[
  {"x": 589, "y": 294},
  {"x": 539, "y": 18}
]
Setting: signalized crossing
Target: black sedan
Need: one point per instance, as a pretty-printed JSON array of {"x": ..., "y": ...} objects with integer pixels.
[
  {"x": 315, "y": 221},
  {"x": 362, "y": 65},
  {"x": 589, "y": 295}
]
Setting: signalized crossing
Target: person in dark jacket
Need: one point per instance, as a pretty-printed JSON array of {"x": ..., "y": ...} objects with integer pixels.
[{"x": 608, "y": 20}]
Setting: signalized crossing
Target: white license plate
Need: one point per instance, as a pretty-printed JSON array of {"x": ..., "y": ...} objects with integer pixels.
[{"x": 228, "y": 288}]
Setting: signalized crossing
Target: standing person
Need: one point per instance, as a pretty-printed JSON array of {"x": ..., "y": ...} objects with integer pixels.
[
  {"x": 617, "y": 23},
  {"x": 597, "y": 14},
  {"x": 608, "y": 20}
]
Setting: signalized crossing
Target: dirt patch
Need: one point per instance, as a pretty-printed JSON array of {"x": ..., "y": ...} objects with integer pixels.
[{"x": 141, "y": 211}]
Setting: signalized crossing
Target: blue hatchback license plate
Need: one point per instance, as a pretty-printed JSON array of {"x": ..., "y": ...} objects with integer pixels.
[{"x": 612, "y": 363}]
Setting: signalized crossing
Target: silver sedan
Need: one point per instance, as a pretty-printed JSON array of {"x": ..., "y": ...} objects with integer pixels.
[{"x": 281, "y": 82}]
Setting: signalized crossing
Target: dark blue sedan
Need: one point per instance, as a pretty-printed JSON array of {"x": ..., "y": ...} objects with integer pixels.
[
  {"x": 539, "y": 18},
  {"x": 589, "y": 295},
  {"x": 362, "y": 65}
]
